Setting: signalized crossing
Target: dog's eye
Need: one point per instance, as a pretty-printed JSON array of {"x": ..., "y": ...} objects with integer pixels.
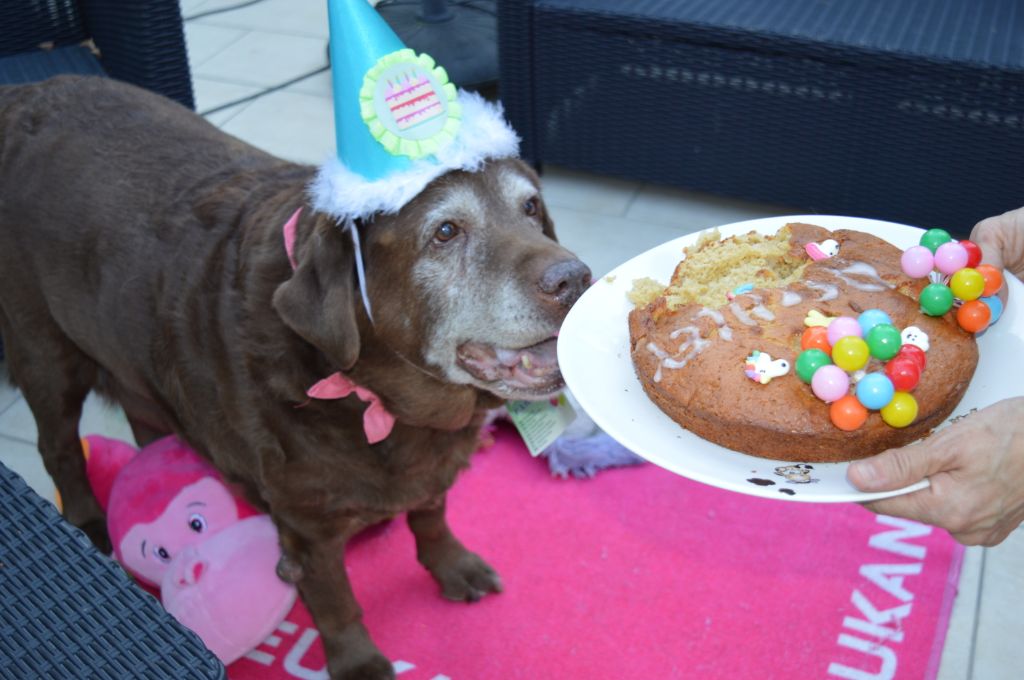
[
  {"x": 197, "y": 523},
  {"x": 446, "y": 232},
  {"x": 530, "y": 207},
  {"x": 162, "y": 554}
]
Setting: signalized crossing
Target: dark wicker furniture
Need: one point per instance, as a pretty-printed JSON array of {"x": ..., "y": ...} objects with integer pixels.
[
  {"x": 67, "y": 612},
  {"x": 911, "y": 111},
  {"x": 138, "y": 41}
]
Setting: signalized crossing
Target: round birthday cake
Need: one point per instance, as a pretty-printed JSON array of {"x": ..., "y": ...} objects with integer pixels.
[{"x": 812, "y": 345}]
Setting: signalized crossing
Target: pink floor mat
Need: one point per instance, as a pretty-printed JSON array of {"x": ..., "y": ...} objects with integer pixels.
[{"x": 639, "y": 573}]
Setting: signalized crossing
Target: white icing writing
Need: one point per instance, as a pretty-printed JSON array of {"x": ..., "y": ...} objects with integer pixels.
[
  {"x": 661, "y": 354},
  {"x": 689, "y": 330},
  {"x": 743, "y": 317},
  {"x": 828, "y": 290},
  {"x": 724, "y": 331},
  {"x": 763, "y": 312},
  {"x": 865, "y": 270},
  {"x": 715, "y": 315},
  {"x": 694, "y": 343},
  {"x": 789, "y": 298}
]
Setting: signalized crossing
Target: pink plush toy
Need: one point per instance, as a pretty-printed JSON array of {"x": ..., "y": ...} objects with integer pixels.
[{"x": 175, "y": 525}]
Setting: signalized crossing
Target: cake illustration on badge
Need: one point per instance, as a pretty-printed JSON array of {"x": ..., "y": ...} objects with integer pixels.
[{"x": 409, "y": 105}]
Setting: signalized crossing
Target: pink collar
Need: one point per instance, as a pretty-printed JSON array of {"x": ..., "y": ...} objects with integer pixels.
[{"x": 377, "y": 420}]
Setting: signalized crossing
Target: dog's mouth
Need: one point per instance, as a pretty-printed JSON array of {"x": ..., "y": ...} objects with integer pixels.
[{"x": 528, "y": 372}]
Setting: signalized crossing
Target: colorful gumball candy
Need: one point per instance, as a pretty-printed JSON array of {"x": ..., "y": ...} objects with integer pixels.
[
  {"x": 847, "y": 413},
  {"x": 884, "y": 341},
  {"x": 870, "y": 318},
  {"x": 917, "y": 262},
  {"x": 995, "y": 306},
  {"x": 874, "y": 391},
  {"x": 842, "y": 326},
  {"x": 904, "y": 372},
  {"x": 815, "y": 337},
  {"x": 967, "y": 284},
  {"x": 974, "y": 316},
  {"x": 914, "y": 353},
  {"x": 993, "y": 279},
  {"x": 936, "y": 299},
  {"x": 830, "y": 383},
  {"x": 808, "y": 363},
  {"x": 850, "y": 353},
  {"x": 900, "y": 411},
  {"x": 933, "y": 238},
  {"x": 973, "y": 252},
  {"x": 950, "y": 258}
]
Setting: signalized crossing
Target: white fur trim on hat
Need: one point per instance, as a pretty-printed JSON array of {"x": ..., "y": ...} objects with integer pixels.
[{"x": 484, "y": 134}]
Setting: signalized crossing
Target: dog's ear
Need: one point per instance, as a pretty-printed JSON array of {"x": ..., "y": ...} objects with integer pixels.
[{"x": 318, "y": 301}]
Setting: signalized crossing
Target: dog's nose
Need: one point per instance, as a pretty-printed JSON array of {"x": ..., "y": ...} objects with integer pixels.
[{"x": 565, "y": 281}]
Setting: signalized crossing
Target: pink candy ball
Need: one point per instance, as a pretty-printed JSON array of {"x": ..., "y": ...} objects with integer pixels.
[
  {"x": 918, "y": 262},
  {"x": 830, "y": 383},
  {"x": 841, "y": 327},
  {"x": 950, "y": 258}
]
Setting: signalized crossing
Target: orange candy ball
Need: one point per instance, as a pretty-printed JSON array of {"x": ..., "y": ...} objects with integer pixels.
[
  {"x": 847, "y": 413},
  {"x": 973, "y": 316},
  {"x": 993, "y": 279},
  {"x": 816, "y": 337}
]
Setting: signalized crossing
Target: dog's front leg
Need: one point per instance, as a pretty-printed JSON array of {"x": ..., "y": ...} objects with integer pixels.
[
  {"x": 462, "y": 575},
  {"x": 318, "y": 564}
]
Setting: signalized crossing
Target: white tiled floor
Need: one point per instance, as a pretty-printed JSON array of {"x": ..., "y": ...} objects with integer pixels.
[{"x": 605, "y": 220}]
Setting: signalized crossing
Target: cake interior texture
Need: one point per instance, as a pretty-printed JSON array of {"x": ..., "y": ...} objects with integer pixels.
[{"x": 713, "y": 267}]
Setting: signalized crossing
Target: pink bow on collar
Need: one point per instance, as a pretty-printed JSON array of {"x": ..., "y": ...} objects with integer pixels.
[{"x": 377, "y": 420}]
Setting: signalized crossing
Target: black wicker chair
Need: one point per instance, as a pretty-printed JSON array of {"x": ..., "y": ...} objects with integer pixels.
[
  {"x": 138, "y": 41},
  {"x": 67, "y": 612},
  {"x": 908, "y": 111}
]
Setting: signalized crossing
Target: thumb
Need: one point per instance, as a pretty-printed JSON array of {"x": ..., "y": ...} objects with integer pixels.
[
  {"x": 895, "y": 468},
  {"x": 988, "y": 236}
]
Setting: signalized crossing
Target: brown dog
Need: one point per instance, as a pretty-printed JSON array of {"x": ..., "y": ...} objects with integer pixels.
[{"x": 141, "y": 254}]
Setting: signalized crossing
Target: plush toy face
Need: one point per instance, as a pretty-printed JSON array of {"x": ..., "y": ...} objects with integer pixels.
[
  {"x": 198, "y": 510},
  {"x": 226, "y": 589},
  {"x": 175, "y": 524}
]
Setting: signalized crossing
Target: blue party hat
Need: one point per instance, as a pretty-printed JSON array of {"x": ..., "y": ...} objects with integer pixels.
[{"x": 399, "y": 122}]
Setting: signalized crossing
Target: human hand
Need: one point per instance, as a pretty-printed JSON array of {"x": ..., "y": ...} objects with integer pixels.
[
  {"x": 976, "y": 470},
  {"x": 1001, "y": 239}
]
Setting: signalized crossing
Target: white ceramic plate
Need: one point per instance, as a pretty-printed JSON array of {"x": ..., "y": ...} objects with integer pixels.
[{"x": 593, "y": 352}]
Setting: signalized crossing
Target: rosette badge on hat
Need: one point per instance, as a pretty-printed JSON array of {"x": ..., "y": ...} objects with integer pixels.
[
  {"x": 409, "y": 105},
  {"x": 399, "y": 122}
]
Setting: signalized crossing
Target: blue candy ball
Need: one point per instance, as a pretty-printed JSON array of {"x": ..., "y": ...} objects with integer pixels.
[
  {"x": 875, "y": 391},
  {"x": 870, "y": 318},
  {"x": 995, "y": 305}
]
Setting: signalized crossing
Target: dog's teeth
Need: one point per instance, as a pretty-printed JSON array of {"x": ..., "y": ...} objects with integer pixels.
[{"x": 526, "y": 362}]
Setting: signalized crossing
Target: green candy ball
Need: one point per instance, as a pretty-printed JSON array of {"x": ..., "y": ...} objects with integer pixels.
[
  {"x": 933, "y": 238},
  {"x": 936, "y": 299},
  {"x": 809, "y": 361},
  {"x": 884, "y": 341}
]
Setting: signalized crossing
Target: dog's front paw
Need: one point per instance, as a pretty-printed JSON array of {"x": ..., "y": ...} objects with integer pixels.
[
  {"x": 466, "y": 577},
  {"x": 375, "y": 668}
]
